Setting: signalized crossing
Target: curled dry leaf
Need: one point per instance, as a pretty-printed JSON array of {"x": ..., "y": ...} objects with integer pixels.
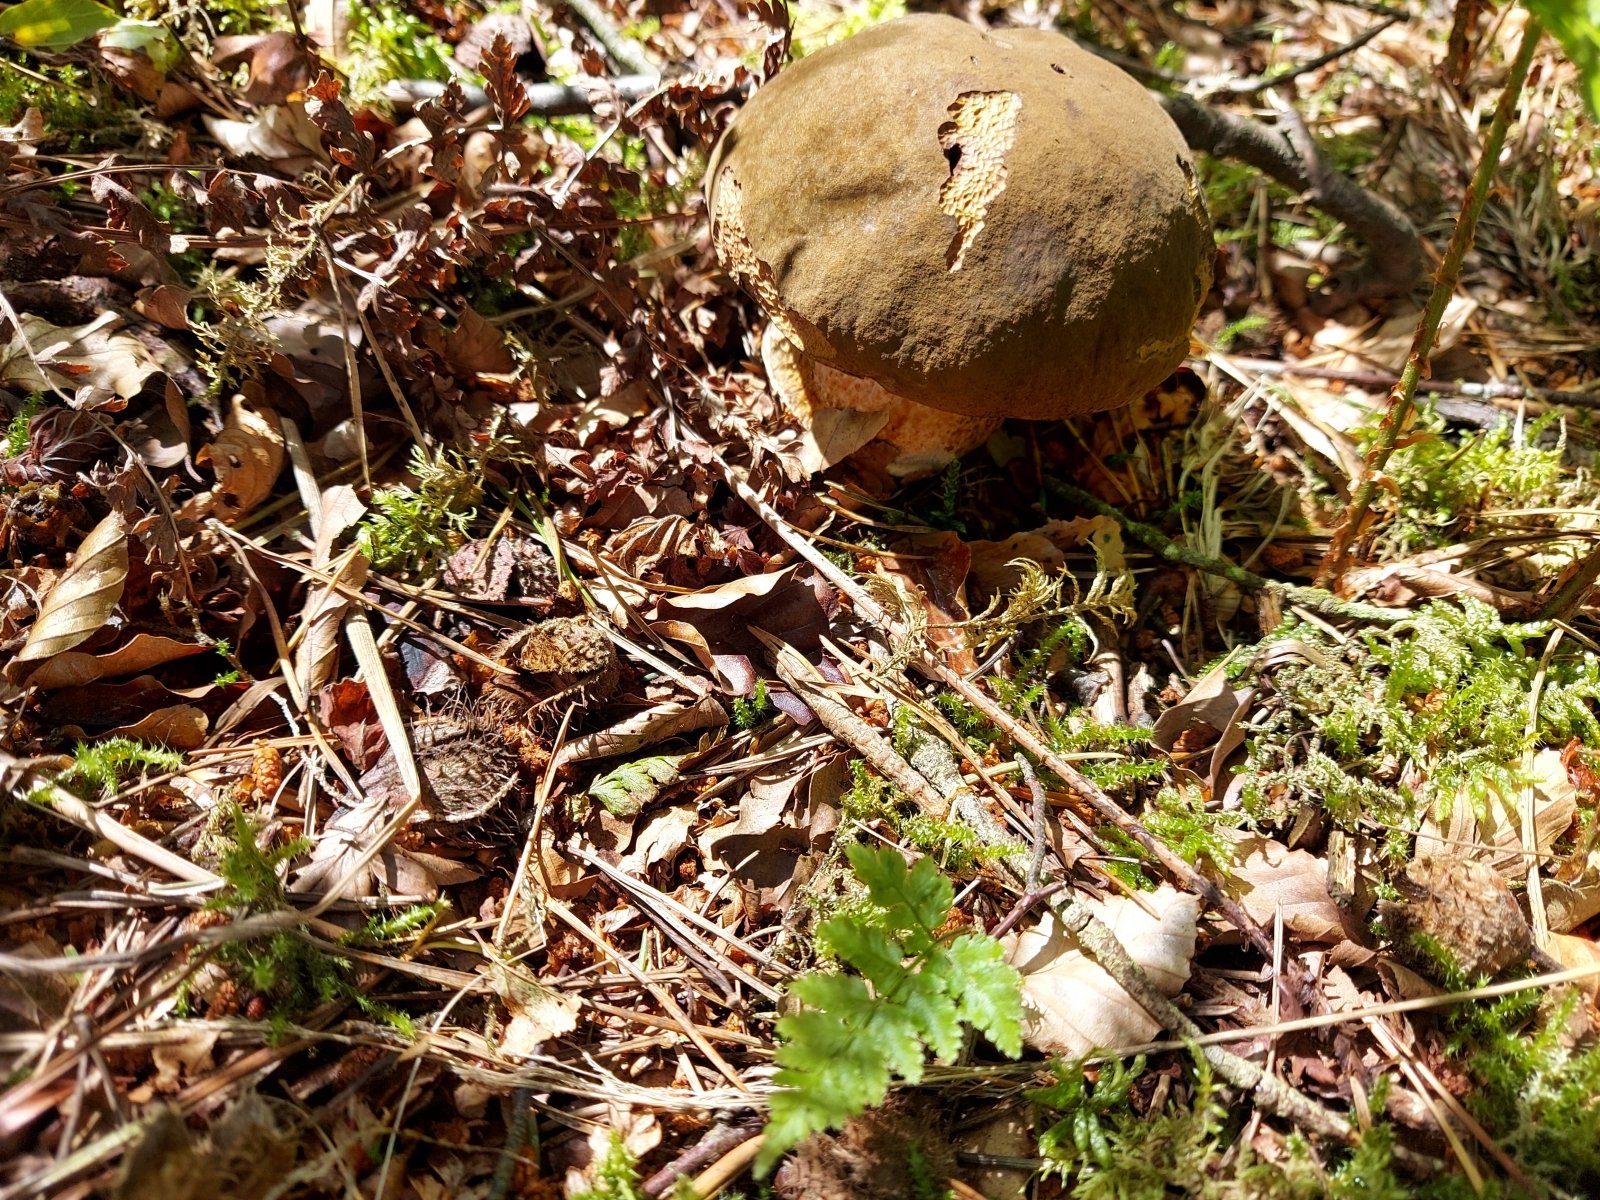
[
  {"x": 648, "y": 728},
  {"x": 1490, "y": 828},
  {"x": 246, "y": 457},
  {"x": 1072, "y": 1005},
  {"x": 85, "y": 595},
  {"x": 178, "y": 727},
  {"x": 141, "y": 652},
  {"x": 537, "y": 1012}
]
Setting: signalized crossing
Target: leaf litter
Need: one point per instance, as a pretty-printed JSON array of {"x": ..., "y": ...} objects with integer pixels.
[{"x": 402, "y": 792}]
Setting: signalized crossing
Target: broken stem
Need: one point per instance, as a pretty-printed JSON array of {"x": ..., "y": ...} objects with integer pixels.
[
  {"x": 1316, "y": 599},
  {"x": 1402, "y": 400}
]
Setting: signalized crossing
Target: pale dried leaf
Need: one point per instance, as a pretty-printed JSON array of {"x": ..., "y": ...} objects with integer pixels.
[
  {"x": 1491, "y": 830},
  {"x": 178, "y": 726},
  {"x": 1267, "y": 877},
  {"x": 43, "y": 357},
  {"x": 85, "y": 595},
  {"x": 648, "y": 728},
  {"x": 1072, "y": 1005},
  {"x": 661, "y": 837}
]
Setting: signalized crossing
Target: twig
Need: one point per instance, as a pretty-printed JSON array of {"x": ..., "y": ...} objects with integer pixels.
[
  {"x": 1076, "y": 782},
  {"x": 1250, "y": 87},
  {"x": 544, "y": 99},
  {"x": 1077, "y": 919},
  {"x": 1573, "y": 591},
  {"x": 1394, "y": 253},
  {"x": 624, "y": 53},
  {"x": 517, "y": 1125},
  {"x": 1041, "y": 813},
  {"x": 719, "y": 1139},
  {"x": 1402, "y": 400},
  {"x": 1270, "y": 1093},
  {"x": 1315, "y": 599},
  {"x": 1494, "y": 389}
]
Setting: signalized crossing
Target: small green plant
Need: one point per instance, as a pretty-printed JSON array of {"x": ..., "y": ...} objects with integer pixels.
[
  {"x": 16, "y": 436},
  {"x": 98, "y": 767},
  {"x": 1442, "y": 696},
  {"x": 1104, "y": 1150},
  {"x": 951, "y": 844},
  {"x": 1080, "y": 1134},
  {"x": 616, "y": 1177},
  {"x": 291, "y": 974},
  {"x": 909, "y": 990},
  {"x": 749, "y": 711},
  {"x": 1441, "y": 483},
  {"x": 388, "y": 42},
  {"x": 421, "y": 524}
]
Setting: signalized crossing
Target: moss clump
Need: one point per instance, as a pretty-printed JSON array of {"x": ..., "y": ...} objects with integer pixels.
[{"x": 1432, "y": 707}]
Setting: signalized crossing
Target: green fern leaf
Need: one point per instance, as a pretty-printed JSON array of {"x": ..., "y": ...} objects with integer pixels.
[
  {"x": 914, "y": 901},
  {"x": 913, "y": 995},
  {"x": 985, "y": 988}
]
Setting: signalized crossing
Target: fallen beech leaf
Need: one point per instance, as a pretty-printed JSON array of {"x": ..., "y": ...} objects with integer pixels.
[
  {"x": 86, "y": 594},
  {"x": 179, "y": 726},
  {"x": 648, "y": 728},
  {"x": 42, "y": 357},
  {"x": 662, "y": 836},
  {"x": 1490, "y": 829},
  {"x": 537, "y": 1014},
  {"x": 139, "y": 653},
  {"x": 1573, "y": 952},
  {"x": 1265, "y": 876},
  {"x": 1072, "y": 1005}
]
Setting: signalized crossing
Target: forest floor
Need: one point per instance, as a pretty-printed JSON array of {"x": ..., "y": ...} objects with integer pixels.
[{"x": 455, "y": 747}]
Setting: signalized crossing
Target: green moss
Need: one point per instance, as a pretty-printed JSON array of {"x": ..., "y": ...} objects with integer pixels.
[
  {"x": 419, "y": 525},
  {"x": 1442, "y": 697},
  {"x": 1442, "y": 484},
  {"x": 388, "y": 42}
]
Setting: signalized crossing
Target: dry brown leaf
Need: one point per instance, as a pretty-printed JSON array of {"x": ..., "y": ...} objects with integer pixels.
[
  {"x": 1491, "y": 830},
  {"x": 178, "y": 726},
  {"x": 537, "y": 1012},
  {"x": 1574, "y": 952},
  {"x": 141, "y": 652},
  {"x": 246, "y": 458},
  {"x": 85, "y": 595},
  {"x": 1072, "y": 1005},
  {"x": 648, "y": 728},
  {"x": 661, "y": 837},
  {"x": 43, "y": 357}
]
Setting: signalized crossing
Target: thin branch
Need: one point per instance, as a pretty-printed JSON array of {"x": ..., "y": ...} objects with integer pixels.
[
  {"x": 1315, "y": 599},
  {"x": 1250, "y": 87},
  {"x": 627, "y": 55},
  {"x": 1493, "y": 389},
  {"x": 544, "y": 99},
  {"x": 1394, "y": 252},
  {"x": 1403, "y": 399}
]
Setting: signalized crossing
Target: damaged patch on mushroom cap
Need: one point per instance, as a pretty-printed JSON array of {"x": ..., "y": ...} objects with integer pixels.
[{"x": 871, "y": 199}]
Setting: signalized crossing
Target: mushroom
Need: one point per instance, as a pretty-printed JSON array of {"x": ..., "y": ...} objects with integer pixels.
[{"x": 947, "y": 226}]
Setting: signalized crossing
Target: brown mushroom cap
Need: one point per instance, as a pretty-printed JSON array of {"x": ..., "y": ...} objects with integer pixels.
[{"x": 986, "y": 223}]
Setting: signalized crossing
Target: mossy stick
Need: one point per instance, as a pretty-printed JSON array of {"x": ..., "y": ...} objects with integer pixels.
[
  {"x": 1402, "y": 400},
  {"x": 1316, "y": 599}
]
